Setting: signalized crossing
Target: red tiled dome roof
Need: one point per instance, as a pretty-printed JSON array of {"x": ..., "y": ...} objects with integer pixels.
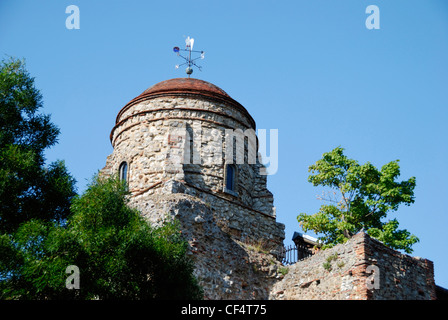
[{"x": 185, "y": 85}]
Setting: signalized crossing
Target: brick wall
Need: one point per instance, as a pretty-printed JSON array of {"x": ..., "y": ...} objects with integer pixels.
[
  {"x": 361, "y": 269},
  {"x": 400, "y": 276}
]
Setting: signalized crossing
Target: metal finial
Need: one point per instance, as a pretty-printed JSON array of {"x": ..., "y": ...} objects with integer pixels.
[{"x": 189, "y": 61}]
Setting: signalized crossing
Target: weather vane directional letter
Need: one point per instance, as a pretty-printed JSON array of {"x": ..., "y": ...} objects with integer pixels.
[{"x": 189, "y": 60}]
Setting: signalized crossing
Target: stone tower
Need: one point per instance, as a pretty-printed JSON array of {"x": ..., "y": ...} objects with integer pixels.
[{"x": 188, "y": 150}]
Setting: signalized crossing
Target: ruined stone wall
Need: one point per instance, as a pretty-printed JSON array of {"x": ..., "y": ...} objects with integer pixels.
[
  {"x": 362, "y": 269},
  {"x": 240, "y": 222},
  {"x": 225, "y": 266},
  {"x": 401, "y": 276}
]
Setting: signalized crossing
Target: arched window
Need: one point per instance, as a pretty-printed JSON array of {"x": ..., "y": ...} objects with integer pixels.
[
  {"x": 230, "y": 177},
  {"x": 123, "y": 171}
]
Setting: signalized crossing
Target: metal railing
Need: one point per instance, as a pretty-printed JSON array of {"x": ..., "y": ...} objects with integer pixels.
[{"x": 291, "y": 254}]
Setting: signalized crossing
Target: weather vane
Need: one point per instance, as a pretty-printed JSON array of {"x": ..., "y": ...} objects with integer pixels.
[{"x": 189, "y": 60}]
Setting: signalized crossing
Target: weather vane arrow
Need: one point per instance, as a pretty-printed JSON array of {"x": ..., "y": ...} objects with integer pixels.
[{"x": 189, "y": 60}]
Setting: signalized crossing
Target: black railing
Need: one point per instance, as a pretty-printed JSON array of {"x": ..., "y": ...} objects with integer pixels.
[{"x": 292, "y": 254}]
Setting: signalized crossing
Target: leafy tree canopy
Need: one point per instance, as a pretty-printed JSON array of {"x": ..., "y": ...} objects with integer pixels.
[
  {"x": 362, "y": 197},
  {"x": 28, "y": 188},
  {"x": 119, "y": 255}
]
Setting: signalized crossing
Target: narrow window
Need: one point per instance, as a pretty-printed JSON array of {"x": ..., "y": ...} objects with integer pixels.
[
  {"x": 230, "y": 177},
  {"x": 123, "y": 171}
]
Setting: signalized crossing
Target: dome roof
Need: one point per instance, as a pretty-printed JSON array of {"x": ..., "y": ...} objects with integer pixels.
[{"x": 185, "y": 85}]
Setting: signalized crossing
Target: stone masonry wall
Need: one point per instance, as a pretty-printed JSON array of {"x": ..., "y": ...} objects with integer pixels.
[
  {"x": 401, "y": 276},
  {"x": 225, "y": 267},
  {"x": 241, "y": 223},
  {"x": 156, "y": 137},
  {"x": 361, "y": 269}
]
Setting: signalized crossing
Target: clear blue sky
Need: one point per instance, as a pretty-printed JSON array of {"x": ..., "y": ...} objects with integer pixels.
[{"x": 310, "y": 69}]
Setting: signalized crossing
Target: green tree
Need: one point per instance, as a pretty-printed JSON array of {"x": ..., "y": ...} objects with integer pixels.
[
  {"x": 33, "y": 197},
  {"x": 28, "y": 188},
  {"x": 45, "y": 227},
  {"x": 121, "y": 255},
  {"x": 361, "y": 199},
  {"x": 118, "y": 253}
]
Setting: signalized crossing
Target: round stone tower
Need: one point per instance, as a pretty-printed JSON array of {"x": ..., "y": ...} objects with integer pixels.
[{"x": 189, "y": 150}]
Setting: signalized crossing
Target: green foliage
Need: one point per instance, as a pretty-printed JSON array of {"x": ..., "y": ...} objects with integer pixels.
[
  {"x": 45, "y": 227},
  {"x": 19, "y": 102},
  {"x": 332, "y": 257},
  {"x": 366, "y": 196},
  {"x": 119, "y": 255},
  {"x": 28, "y": 189},
  {"x": 34, "y": 198},
  {"x": 327, "y": 266},
  {"x": 283, "y": 271}
]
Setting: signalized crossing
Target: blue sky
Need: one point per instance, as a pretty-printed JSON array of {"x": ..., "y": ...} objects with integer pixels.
[{"x": 310, "y": 69}]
